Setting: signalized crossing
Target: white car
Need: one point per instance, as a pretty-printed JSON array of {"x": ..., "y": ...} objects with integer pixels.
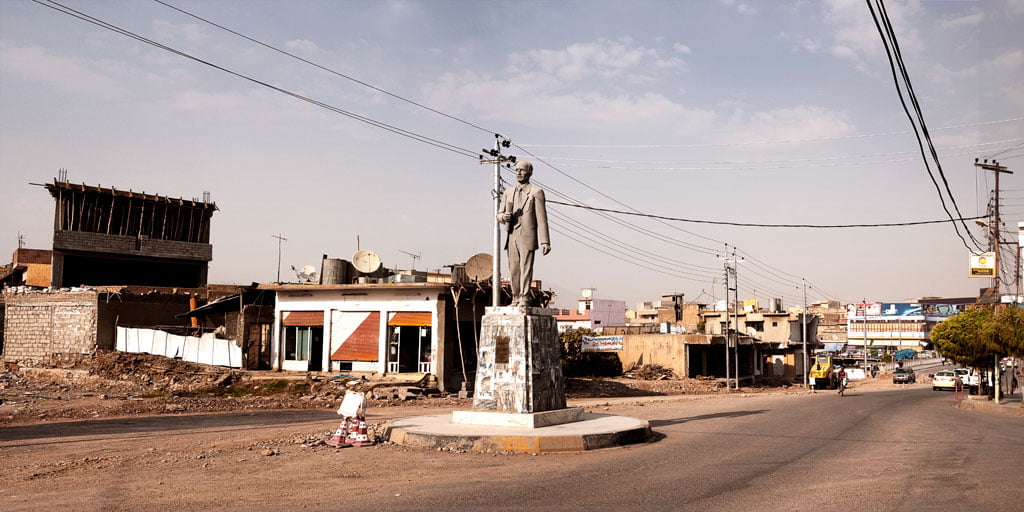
[{"x": 944, "y": 380}]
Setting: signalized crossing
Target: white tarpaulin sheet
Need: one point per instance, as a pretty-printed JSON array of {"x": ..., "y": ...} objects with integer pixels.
[{"x": 206, "y": 350}]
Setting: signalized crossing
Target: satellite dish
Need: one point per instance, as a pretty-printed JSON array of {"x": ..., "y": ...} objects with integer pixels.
[
  {"x": 366, "y": 262},
  {"x": 478, "y": 268},
  {"x": 307, "y": 274}
]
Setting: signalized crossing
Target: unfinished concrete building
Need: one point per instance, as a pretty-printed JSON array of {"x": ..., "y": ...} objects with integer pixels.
[{"x": 106, "y": 236}]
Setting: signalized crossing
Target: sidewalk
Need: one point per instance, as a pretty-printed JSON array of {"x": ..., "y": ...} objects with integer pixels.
[{"x": 1010, "y": 405}]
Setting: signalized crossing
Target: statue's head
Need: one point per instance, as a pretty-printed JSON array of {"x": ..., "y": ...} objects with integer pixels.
[{"x": 524, "y": 169}]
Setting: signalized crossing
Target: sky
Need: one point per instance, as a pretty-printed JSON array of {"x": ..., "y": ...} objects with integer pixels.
[{"x": 724, "y": 111}]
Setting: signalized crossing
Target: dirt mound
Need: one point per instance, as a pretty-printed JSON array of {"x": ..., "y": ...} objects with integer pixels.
[{"x": 156, "y": 373}]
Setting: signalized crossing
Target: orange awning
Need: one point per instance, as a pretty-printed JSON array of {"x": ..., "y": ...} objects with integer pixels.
[
  {"x": 302, "y": 319},
  {"x": 414, "y": 319}
]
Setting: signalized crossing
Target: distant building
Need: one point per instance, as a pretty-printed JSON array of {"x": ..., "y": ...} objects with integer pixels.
[
  {"x": 105, "y": 236},
  {"x": 592, "y": 313},
  {"x": 885, "y": 327},
  {"x": 28, "y": 267}
]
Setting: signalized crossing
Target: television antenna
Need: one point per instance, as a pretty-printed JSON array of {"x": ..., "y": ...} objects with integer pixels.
[{"x": 414, "y": 257}]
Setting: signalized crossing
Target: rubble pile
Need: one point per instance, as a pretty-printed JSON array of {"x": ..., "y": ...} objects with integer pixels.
[
  {"x": 157, "y": 373},
  {"x": 652, "y": 372}
]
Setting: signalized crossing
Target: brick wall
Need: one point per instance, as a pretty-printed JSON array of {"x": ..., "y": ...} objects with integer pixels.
[
  {"x": 130, "y": 245},
  {"x": 2, "y": 310},
  {"x": 45, "y": 327}
]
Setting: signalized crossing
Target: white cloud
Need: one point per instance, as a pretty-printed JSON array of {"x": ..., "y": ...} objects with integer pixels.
[
  {"x": 741, "y": 8},
  {"x": 796, "y": 123},
  {"x": 1015, "y": 6},
  {"x": 1007, "y": 62},
  {"x": 39, "y": 65},
  {"x": 682, "y": 48},
  {"x": 844, "y": 52},
  {"x": 856, "y": 37},
  {"x": 536, "y": 102},
  {"x": 970, "y": 20},
  {"x": 810, "y": 45},
  {"x": 576, "y": 87},
  {"x": 1014, "y": 94},
  {"x": 302, "y": 45},
  {"x": 188, "y": 32},
  {"x": 602, "y": 58}
]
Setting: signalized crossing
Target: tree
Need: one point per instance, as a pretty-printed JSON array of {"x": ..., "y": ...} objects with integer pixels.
[
  {"x": 960, "y": 338},
  {"x": 1004, "y": 333}
]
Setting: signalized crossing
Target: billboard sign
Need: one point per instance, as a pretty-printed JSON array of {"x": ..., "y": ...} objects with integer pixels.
[
  {"x": 983, "y": 264},
  {"x": 901, "y": 309},
  {"x": 943, "y": 310},
  {"x": 858, "y": 310},
  {"x": 602, "y": 343}
]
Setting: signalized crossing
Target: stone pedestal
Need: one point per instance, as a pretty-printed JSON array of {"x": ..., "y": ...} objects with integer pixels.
[{"x": 519, "y": 367}]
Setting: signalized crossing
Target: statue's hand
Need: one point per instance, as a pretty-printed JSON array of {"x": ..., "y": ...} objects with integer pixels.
[
  {"x": 504, "y": 218},
  {"x": 545, "y": 248}
]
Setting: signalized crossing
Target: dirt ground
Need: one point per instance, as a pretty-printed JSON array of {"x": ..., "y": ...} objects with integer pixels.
[
  {"x": 128, "y": 432},
  {"x": 115, "y": 384}
]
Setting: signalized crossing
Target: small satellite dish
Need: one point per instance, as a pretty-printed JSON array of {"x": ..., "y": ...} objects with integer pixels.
[
  {"x": 307, "y": 274},
  {"x": 478, "y": 268},
  {"x": 366, "y": 262}
]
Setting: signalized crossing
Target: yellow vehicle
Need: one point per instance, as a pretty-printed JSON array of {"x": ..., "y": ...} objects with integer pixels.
[{"x": 822, "y": 373}]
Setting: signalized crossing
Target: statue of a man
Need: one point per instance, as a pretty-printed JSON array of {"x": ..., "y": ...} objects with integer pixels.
[{"x": 526, "y": 218}]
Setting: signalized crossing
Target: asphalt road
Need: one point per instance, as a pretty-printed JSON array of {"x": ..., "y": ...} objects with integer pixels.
[
  {"x": 882, "y": 449},
  {"x": 902, "y": 449}
]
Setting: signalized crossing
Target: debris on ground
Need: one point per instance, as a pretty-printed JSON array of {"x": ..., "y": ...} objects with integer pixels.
[
  {"x": 651, "y": 372},
  {"x": 111, "y": 384}
]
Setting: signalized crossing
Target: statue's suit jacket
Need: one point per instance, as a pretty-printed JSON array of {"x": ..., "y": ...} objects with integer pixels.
[{"x": 531, "y": 225}]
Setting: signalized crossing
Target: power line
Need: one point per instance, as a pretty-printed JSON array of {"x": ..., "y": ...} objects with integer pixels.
[
  {"x": 750, "y": 143},
  {"x": 718, "y": 165},
  {"x": 378, "y": 124},
  {"x": 324, "y": 68},
  {"x": 757, "y": 225},
  {"x": 894, "y": 56}
]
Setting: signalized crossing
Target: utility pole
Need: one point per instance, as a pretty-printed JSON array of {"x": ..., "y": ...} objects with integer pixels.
[
  {"x": 865, "y": 334},
  {"x": 21, "y": 240},
  {"x": 736, "y": 302},
  {"x": 803, "y": 334},
  {"x": 728, "y": 335},
  {"x": 997, "y": 169},
  {"x": 497, "y": 159},
  {"x": 279, "y": 240}
]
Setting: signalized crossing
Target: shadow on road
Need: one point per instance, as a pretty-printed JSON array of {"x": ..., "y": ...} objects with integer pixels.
[
  {"x": 151, "y": 424},
  {"x": 676, "y": 421}
]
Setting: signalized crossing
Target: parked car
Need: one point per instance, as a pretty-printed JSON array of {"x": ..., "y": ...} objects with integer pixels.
[
  {"x": 903, "y": 376},
  {"x": 944, "y": 380},
  {"x": 970, "y": 380}
]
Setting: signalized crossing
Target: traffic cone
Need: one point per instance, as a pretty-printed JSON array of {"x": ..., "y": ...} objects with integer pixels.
[
  {"x": 338, "y": 440},
  {"x": 359, "y": 437}
]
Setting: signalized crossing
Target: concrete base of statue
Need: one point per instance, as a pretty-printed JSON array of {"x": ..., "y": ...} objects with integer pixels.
[{"x": 519, "y": 365}]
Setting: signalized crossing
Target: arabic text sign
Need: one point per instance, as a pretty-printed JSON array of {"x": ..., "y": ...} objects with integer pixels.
[{"x": 602, "y": 343}]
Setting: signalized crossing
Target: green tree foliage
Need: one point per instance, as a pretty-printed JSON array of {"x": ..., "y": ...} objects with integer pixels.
[
  {"x": 960, "y": 338},
  {"x": 1004, "y": 332},
  {"x": 577, "y": 363}
]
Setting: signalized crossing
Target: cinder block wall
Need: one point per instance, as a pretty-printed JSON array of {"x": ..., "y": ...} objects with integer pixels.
[{"x": 42, "y": 328}]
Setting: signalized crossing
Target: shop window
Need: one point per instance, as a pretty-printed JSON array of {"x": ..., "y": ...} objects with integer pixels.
[{"x": 302, "y": 342}]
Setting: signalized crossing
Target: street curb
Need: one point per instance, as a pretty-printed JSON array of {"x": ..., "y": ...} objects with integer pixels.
[{"x": 581, "y": 436}]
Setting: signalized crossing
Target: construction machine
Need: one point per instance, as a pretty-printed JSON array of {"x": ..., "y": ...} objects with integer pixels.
[{"x": 822, "y": 373}]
